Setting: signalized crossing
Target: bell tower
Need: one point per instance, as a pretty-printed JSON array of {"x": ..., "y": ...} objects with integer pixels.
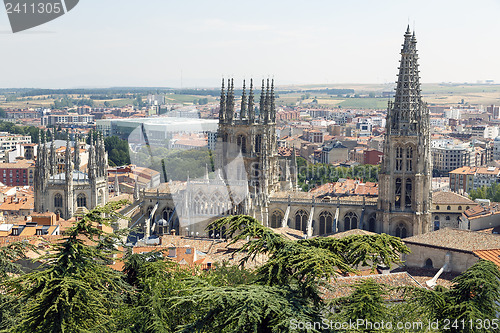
[
  {"x": 405, "y": 177},
  {"x": 253, "y": 135}
]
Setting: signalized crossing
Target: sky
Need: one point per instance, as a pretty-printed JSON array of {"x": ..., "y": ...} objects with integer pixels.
[{"x": 194, "y": 43}]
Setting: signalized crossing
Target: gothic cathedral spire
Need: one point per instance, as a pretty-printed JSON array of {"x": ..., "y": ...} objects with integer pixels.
[{"x": 405, "y": 177}]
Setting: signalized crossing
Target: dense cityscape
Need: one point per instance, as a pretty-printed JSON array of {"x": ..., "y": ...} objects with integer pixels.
[{"x": 252, "y": 206}]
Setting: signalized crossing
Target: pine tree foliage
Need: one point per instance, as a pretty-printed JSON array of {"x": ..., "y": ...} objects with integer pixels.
[
  {"x": 308, "y": 261},
  {"x": 74, "y": 291},
  {"x": 366, "y": 303},
  {"x": 248, "y": 308},
  {"x": 474, "y": 297},
  {"x": 157, "y": 282},
  {"x": 9, "y": 254},
  {"x": 10, "y": 306}
]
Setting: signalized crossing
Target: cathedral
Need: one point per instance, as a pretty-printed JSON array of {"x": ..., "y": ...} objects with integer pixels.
[
  {"x": 64, "y": 185},
  {"x": 250, "y": 178}
]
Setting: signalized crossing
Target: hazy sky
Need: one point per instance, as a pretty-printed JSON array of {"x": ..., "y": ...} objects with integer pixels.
[{"x": 104, "y": 43}]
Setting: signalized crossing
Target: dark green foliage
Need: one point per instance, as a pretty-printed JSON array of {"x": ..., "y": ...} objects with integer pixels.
[
  {"x": 306, "y": 265},
  {"x": 366, "y": 302},
  {"x": 118, "y": 151},
  {"x": 9, "y": 254},
  {"x": 158, "y": 283},
  {"x": 474, "y": 297},
  {"x": 492, "y": 193},
  {"x": 249, "y": 308},
  {"x": 75, "y": 291}
]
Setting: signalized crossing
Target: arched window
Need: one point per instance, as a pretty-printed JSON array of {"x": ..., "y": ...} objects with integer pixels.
[
  {"x": 448, "y": 208},
  {"x": 372, "y": 224},
  {"x": 350, "y": 221},
  {"x": 301, "y": 220},
  {"x": 467, "y": 208},
  {"x": 167, "y": 214},
  {"x": 81, "y": 200},
  {"x": 459, "y": 207},
  {"x": 409, "y": 158},
  {"x": 428, "y": 263},
  {"x": 397, "y": 201},
  {"x": 199, "y": 204},
  {"x": 58, "y": 200},
  {"x": 437, "y": 207},
  {"x": 447, "y": 218},
  {"x": 399, "y": 158},
  {"x": 100, "y": 197},
  {"x": 276, "y": 219},
  {"x": 401, "y": 231},
  {"x": 241, "y": 141},
  {"x": 436, "y": 224},
  {"x": 325, "y": 223},
  {"x": 408, "y": 191},
  {"x": 150, "y": 210},
  {"x": 258, "y": 143}
]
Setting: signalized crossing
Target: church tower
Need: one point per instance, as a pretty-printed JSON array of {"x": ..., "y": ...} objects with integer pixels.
[
  {"x": 253, "y": 134},
  {"x": 405, "y": 177}
]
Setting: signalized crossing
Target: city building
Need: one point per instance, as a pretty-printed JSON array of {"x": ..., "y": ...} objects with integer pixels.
[
  {"x": 465, "y": 179},
  {"x": 20, "y": 173},
  {"x": 10, "y": 141}
]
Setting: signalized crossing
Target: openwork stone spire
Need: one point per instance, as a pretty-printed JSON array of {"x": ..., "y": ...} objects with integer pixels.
[
  {"x": 222, "y": 110},
  {"x": 407, "y": 112}
]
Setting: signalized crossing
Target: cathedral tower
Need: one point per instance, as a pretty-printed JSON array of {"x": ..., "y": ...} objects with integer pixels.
[
  {"x": 253, "y": 134},
  {"x": 405, "y": 177}
]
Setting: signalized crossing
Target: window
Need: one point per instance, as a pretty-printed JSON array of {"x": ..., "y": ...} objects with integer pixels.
[
  {"x": 428, "y": 263},
  {"x": 58, "y": 200},
  {"x": 350, "y": 221},
  {"x": 301, "y": 220},
  {"x": 325, "y": 223},
  {"x": 408, "y": 191},
  {"x": 276, "y": 219},
  {"x": 397, "y": 199},
  {"x": 258, "y": 143},
  {"x": 448, "y": 208},
  {"x": 467, "y": 208},
  {"x": 459, "y": 207},
  {"x": 167, "y": 214},
  {"x": 372, "y": 224},
  {"x": 409, "y": 159},
  {"x": 447, "y": 218},
  {"x": 436, "y": 224},
  {"x": 171, "y": 252},
  {"x": 401, "y": 231},
  {"x": 188, "y": 251},
  {"x": 399, "y": 158},
  {"x": 241, "y": 141},
  {"x": 81, "y": 200}
]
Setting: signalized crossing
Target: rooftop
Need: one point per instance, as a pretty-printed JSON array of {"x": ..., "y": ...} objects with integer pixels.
[
  {"x": 457, "y": 239},
  {"x": 443, "y": 198}
]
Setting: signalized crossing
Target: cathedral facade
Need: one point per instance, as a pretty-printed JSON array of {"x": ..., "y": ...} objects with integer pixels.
[
  {"x": 264, "y": 185},
  {"x": 71, "y": 188}
]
